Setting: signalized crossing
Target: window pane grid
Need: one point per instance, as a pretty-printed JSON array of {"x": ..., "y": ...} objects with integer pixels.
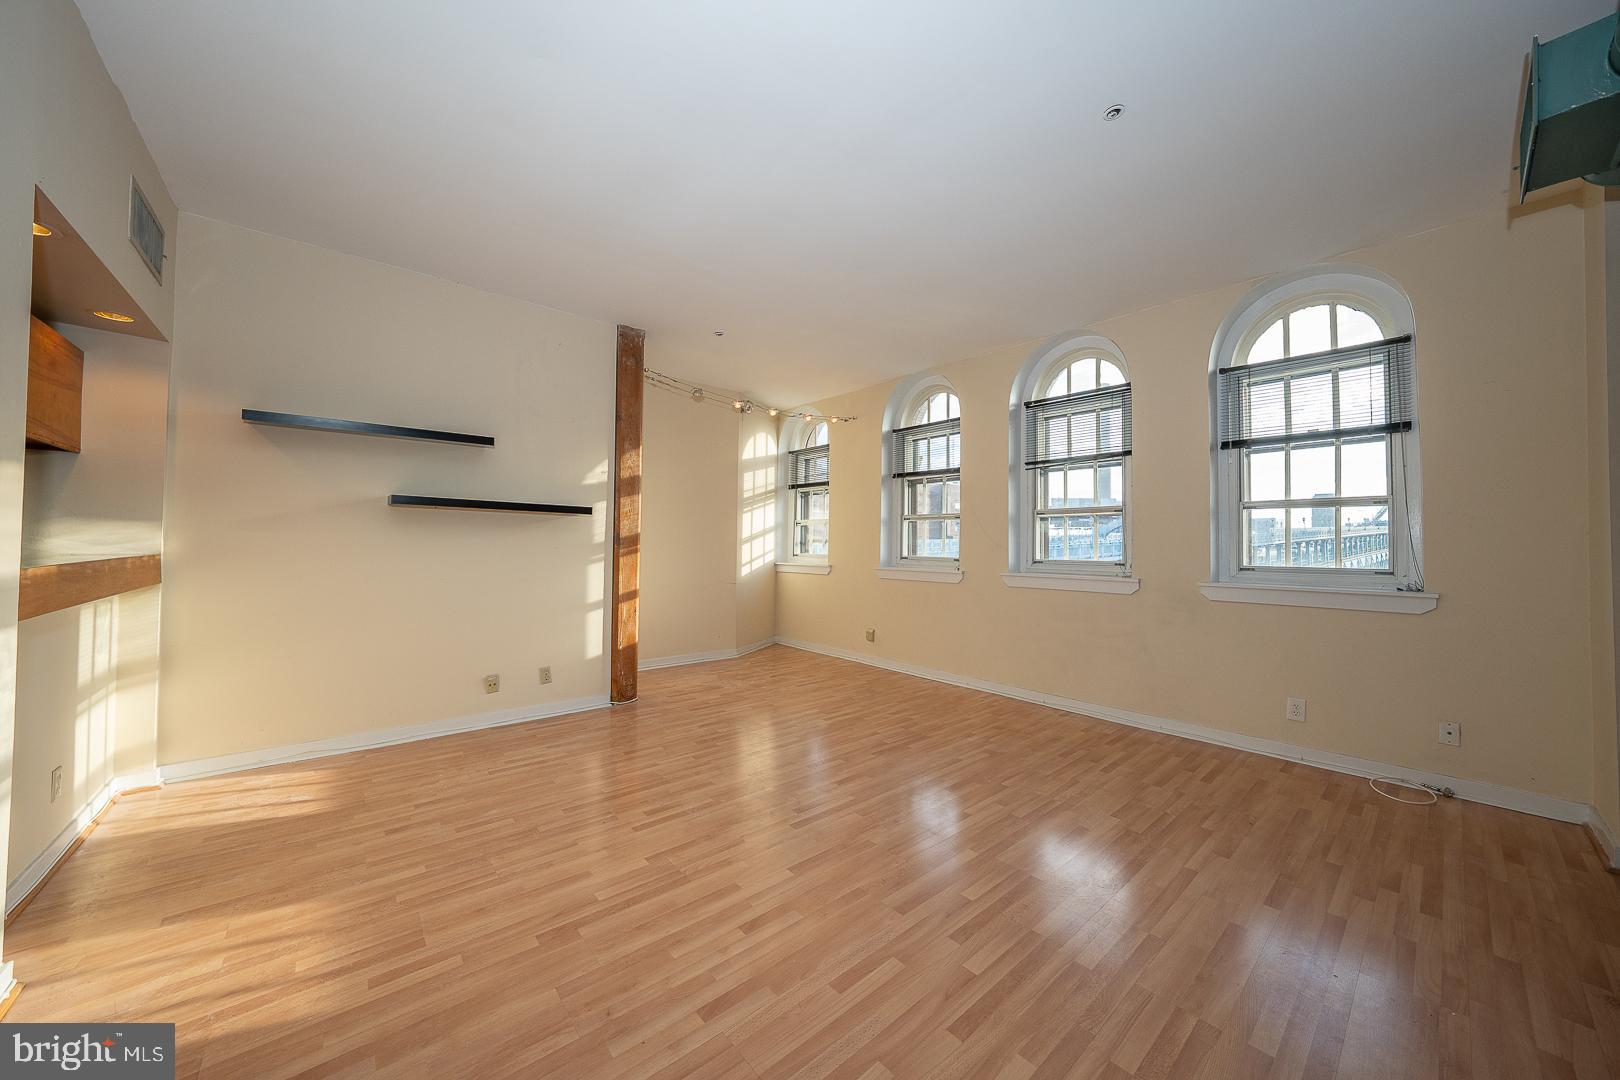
[
  {"x": 931, "y": 517},
  {"x": 1069, "y": 537},
  {"x": 810, "y": 521},
  {"x": 1294, "y": 513},
  {"x": 1077, "y": 439},
  {"x": 1313, "y": 417}
]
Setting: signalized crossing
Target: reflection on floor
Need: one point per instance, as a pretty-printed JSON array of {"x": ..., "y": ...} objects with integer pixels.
[{"x": 787, "y": 863}]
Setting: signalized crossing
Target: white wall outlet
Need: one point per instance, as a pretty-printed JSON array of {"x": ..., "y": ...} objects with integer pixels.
[
  {"x": 492, "y": 684},
  {"x": 1451, "y": 733},
  {"x": 56, "y": 783},
  {"x": 1296, "y": 710},
  {"x": 545, "y": 676},
  {"x": 871, "y": 634}
]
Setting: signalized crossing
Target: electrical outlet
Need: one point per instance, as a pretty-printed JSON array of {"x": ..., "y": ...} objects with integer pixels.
[
  {"x": 492, "y": 684},
  {"x": 1296, "y": 710},
  {"x": 545, "y": 676},
  {"x": 871, "y": 634},
  {"x": 56, "y": 783},
  {"x": 1451, "y": 733}
]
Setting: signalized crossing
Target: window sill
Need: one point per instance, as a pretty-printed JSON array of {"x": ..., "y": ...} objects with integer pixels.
[
  {"x": 803, "y": 568},
  {"x": 1402, "y": 603},
  {"x": 1099, "y": 583},
  {"x": 917, "y": 573}
]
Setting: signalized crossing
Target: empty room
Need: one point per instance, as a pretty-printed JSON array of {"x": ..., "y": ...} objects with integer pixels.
[{"x": 878, "y": 541}]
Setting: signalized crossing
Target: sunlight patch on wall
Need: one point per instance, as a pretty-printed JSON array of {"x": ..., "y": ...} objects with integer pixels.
[
  {"x": 93, "y": 719},
  {"x": 595, "y": 604},
  {"x": 757, "y": 547}
]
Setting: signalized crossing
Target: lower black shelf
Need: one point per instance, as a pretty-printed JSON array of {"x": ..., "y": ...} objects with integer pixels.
[{"x": 434, "y": 502}]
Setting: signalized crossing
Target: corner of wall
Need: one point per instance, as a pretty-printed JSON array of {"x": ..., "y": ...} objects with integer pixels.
[{"x": 1602, "y": 267}]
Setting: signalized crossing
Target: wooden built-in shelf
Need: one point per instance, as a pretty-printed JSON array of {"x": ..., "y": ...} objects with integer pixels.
[
  {"x": 44, "y": 589},
  {"x": 361, "y": 427},
  {"x": 434, "y": 502}
]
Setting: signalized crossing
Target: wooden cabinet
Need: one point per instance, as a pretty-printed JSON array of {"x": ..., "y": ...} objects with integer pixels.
[{"x": 55, "y": 389}]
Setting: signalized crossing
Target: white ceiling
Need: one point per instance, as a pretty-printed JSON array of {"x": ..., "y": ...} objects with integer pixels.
[{"x": 851, "y": 190}]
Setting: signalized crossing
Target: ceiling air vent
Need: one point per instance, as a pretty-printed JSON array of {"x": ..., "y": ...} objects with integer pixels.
[{"x": 144, "y": 231}]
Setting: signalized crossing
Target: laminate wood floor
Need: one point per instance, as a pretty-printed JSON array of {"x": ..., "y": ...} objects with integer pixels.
[{"x": 788, "y": 865}]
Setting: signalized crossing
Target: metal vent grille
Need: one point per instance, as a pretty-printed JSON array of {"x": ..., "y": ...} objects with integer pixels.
[{"x": 144, "y": 231}]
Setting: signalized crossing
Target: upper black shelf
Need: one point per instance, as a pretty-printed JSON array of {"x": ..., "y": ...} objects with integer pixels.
[
  {"x": 434, "y": 502},
  {"x": 360, "y": 427}
]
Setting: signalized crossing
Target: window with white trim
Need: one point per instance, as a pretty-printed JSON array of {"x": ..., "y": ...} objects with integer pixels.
[
  {"x": 1316, "y": 440},
  {"x": 1070, "y": 472},
  {"x": 925, "y": 456},
  {"x": 810, "y": 483},
  {"x": 1077, "y": 443}
]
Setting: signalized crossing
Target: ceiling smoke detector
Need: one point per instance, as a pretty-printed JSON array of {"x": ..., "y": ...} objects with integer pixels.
[{"x": 1113, "y": 112}]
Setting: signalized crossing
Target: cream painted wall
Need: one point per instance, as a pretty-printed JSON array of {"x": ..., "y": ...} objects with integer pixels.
[
  {"x": 1501, "y": 318},
  {"x": 756, "y": 533},
  {"x": 688, "y": 524},
  {"x": 297, "y": 605},
  {"x": 708, "y": 521},
  {"x": 64, "y": 127}
]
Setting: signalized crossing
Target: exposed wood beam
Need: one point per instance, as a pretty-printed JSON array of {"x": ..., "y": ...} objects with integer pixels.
[{"x": 627, "y": 512}]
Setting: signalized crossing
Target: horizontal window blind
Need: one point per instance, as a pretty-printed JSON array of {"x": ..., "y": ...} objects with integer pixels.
[
  {"x": 808, "y": 468},
  {"x": 1362, "y": 390},
  {"x": 927, "y": 449},
  {"x": 1092, "y": 425}
]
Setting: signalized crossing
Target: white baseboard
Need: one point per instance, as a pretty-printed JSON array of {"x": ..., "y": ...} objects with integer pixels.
[
  {"x": 41, "y": 864},
  {"x": 366, "y": 740},
  {"x": 1528, "y": 802},
  {"x": 1605, "y": 838},
  {"x": 702, "y": 657}
]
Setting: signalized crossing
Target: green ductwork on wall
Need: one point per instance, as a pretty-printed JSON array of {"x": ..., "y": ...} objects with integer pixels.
[{"x": 1571, "y": 121}]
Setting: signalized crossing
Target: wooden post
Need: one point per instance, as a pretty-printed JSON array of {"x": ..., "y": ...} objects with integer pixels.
[{"x": 627, "y": 513}]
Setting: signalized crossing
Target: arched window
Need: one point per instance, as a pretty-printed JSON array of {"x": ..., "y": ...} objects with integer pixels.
[
  {"x": 1070, "y": 424},
  {"x": 810, "y": 480},
  {"x": 922, "y": 503},
  {"x": 804, "y": 498},
  {"x": 1315, "y": 422}
]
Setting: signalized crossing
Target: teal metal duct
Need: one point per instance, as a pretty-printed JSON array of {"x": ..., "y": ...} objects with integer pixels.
[{"x": 1571, "y": 124}]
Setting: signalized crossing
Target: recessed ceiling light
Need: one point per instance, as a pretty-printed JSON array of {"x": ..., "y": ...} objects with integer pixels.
[
  {"x": 113, "y": 316},
  {"x": 719, "y": 333},
  {"x": 1113, "y": 112},
  {"x": 42, "y": 230}
]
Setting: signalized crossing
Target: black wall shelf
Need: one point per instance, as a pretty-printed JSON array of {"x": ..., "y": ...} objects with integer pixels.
[
  {"x": 434, "y": 502},
  {"x": 360, "y": 427}
]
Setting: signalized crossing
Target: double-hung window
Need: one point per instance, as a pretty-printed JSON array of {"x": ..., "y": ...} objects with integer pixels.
[
  {"x": 1076, "y": 450},
  {"x": 927, "y": 471},
  {"x": 1314, "y": 422},
  {"x": 810, "y": 484}
]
